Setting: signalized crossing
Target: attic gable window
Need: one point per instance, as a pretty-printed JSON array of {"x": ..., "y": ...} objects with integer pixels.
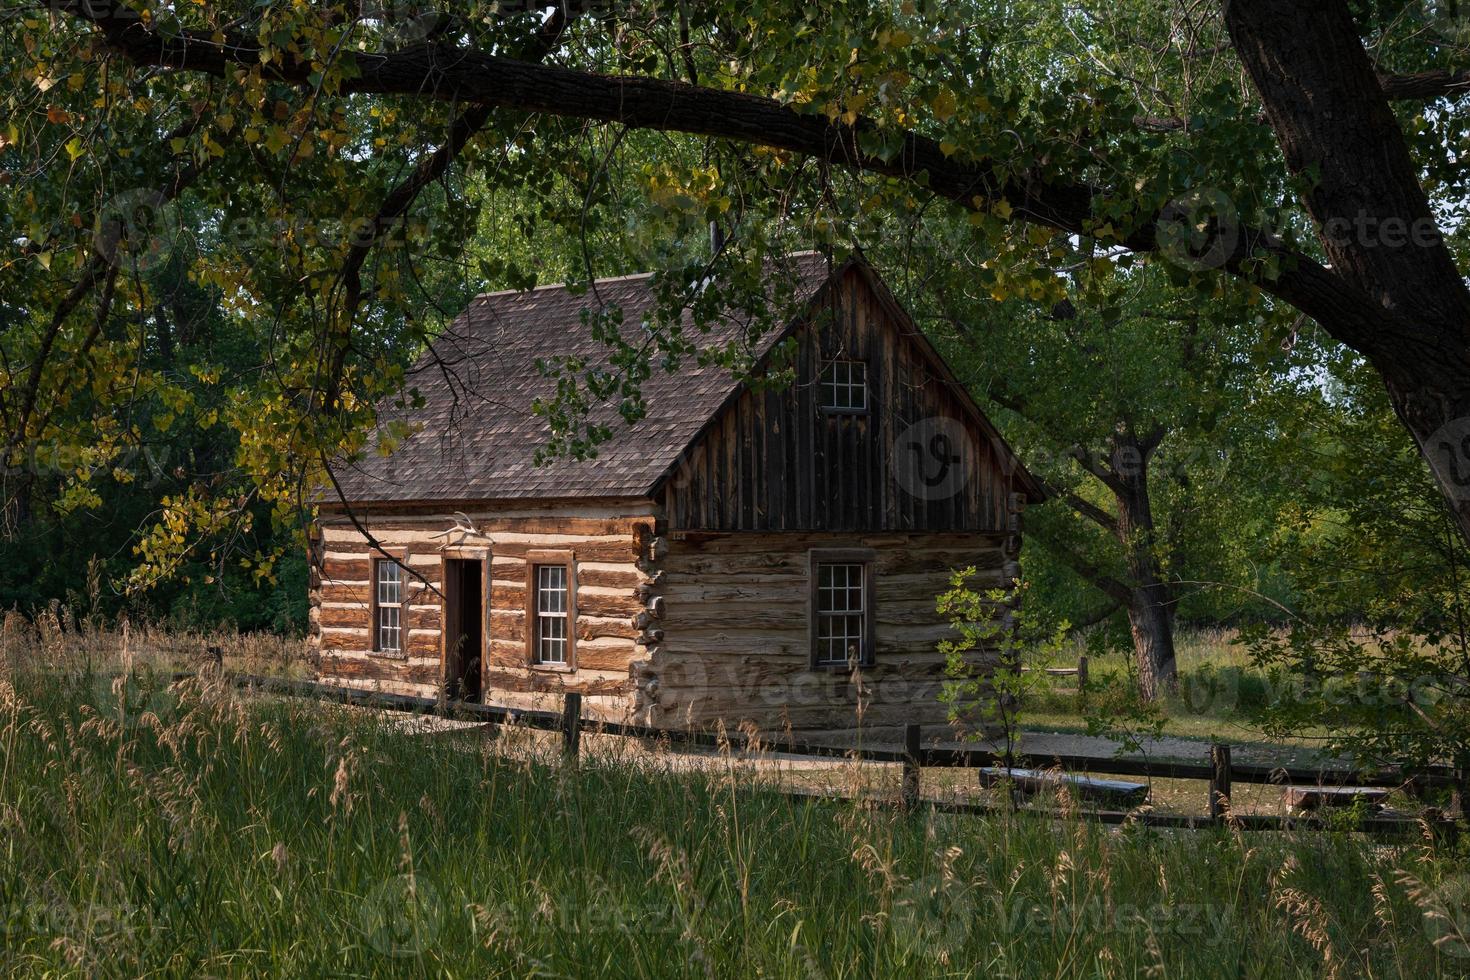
[
  {"x": 387, "y": 606},
  {"x": 845, "y": 386}
]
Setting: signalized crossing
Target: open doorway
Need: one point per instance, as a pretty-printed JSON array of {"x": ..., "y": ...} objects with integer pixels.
[{"x": 464, "y": 625}]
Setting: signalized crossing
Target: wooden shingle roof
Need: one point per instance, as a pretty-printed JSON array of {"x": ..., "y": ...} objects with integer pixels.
[{"x": 476, "y": 436}]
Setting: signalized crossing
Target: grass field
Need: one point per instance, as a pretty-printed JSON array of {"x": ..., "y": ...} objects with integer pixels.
[
  {"x": 186, "y": 831},
  {"x": 1220, "y": 692}
]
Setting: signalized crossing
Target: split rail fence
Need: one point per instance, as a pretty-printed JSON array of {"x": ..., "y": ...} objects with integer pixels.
[{"x": 1218, "y": 771}]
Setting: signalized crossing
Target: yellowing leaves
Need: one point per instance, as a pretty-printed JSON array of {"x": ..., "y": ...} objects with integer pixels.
[
  {"x": 894, "y": 38},
  {"x": 944, "y": 105}
]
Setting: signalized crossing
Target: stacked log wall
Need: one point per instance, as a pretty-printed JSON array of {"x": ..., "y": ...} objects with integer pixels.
[
  {"x": 735, "y": 646},
  {"x": 610, "y": 571}
]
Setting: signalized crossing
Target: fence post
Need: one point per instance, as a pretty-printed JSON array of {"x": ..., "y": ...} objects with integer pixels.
[
  {"x": 1219, "y": 781},
  {"x": 910, "y": 766},
  {"x": 571, "y": 725},
  {"x": 1082, "y": 679}
]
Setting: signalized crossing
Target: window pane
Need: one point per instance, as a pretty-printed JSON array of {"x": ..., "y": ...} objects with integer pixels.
[
  {"x": 390, "y": 579},
  {"x": 389, "y": 628},
  {"x": 551, "y": 588},
  {"x": 551, "y": 614},
  {"x": 844, "y": 386},
  {"x": 841, "y": 624},
  {"x": 389, "y": 592}
]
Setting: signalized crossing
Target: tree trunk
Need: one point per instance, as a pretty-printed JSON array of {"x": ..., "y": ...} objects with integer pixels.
[
  {"x": 1327, "y": 107},
  {"x": 1436, "y": 410},
  {"x": 1151, "y": 620},
  {"x": 1150, "y": 600}
]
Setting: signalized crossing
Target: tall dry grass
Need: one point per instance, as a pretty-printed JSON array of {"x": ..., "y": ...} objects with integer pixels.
[
  {"x": 158, "y": 828},
  {"x": 55, "y": 638}
]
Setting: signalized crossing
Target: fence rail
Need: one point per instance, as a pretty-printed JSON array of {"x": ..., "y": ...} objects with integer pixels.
[{"x": 1219, "y": 771}]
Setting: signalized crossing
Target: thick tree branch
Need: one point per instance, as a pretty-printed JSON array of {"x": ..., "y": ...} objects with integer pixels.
[
  {"x": 1090, "y": 462},
  {"x": 447, "y": 72},
  {"x": 1084, "y": 507},
  {"x": 398, "y": 200},
  {"x": 1424, "y": 85},
  {"x": 1110, "y": 586},
  {"x": 1096, "y": 616},
  {"x": 1328, "y": 110}
]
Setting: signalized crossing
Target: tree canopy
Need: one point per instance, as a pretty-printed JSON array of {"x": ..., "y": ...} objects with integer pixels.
[{"x": 332, "y": 179}]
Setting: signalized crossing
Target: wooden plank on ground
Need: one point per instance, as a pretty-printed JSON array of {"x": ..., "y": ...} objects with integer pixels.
[
  {"x": 1317, "y": 797},
  {"x": 1031, "y": 781}
]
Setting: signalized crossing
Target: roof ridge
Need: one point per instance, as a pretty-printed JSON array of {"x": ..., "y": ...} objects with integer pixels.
[
  {"x": 801, "y": 254},
  {"x": 562, "y": 285}
]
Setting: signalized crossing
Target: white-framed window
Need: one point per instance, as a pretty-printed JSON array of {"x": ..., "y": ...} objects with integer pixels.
[
  {"x": 551, "y": 643},
  {"x": 845, "y": 386},
  {"x": 387, "y": 606},
  {"x": 842, "y": 613}
]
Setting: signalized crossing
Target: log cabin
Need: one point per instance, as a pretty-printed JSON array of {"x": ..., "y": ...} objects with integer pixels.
[{"x": 762, "y": 549}]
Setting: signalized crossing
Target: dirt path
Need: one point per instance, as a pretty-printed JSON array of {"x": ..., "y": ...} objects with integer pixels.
[{"x": 1173, "y": 748}]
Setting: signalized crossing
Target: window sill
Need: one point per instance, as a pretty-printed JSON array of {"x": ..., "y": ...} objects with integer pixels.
[
  {"x": 554, "y": 668},
  {"x": 843, "y": 667},
  {"x": 389, "y": 654}
]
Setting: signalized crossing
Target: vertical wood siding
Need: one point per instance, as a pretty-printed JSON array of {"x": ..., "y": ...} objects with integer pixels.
[{"x": 774, "y": 461}]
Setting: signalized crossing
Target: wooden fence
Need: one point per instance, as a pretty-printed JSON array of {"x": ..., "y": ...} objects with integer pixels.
[{"x": 1218, "y": 771}]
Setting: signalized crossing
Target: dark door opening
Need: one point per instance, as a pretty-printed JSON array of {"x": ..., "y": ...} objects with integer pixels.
[{"x": 464, "y": 624}]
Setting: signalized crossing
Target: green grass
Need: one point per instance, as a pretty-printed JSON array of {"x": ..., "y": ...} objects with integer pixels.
[
  {"x": 148, "y": 832},
  {"x": 1220, "y": 692}
]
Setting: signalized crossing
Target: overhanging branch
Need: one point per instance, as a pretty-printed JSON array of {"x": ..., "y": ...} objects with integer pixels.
[{"x": 448, "y": 72}]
